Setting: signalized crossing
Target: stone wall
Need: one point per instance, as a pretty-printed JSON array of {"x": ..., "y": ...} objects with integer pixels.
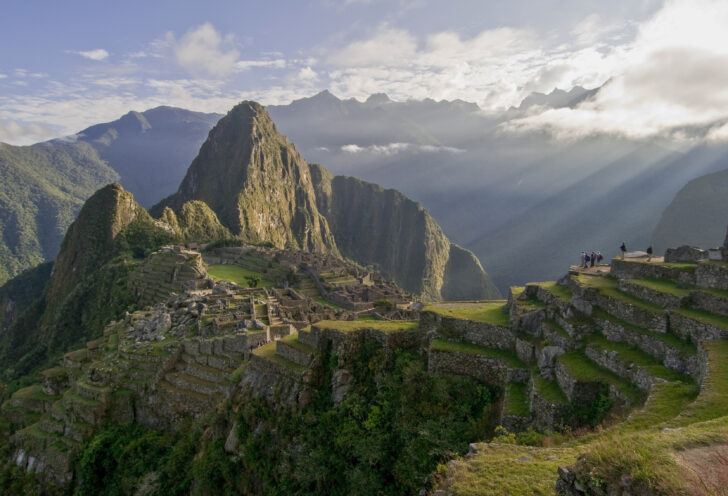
[
  {"x": 634, "y": 315},
  {"x": 653, "y": 346},
  {"x": 293, "y": 354},
  {"x": 480, "y": 367},
  {"x": 610, "y": 360},
  {"x": 694, "y": 330},
  {"x": 657, "y": 297},
  {"x": 623, "y": 269},
  {"x": 712, "y": 275},
  {"x": 480, "y": 333}
]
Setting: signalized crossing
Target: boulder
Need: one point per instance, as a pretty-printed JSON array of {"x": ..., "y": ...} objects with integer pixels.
[{"x": 685, "y": 253}]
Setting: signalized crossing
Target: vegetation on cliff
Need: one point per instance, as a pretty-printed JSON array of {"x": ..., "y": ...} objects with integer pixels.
[
  {"x": 42, "y": 188},
  {"x": 88, "y": 284}
]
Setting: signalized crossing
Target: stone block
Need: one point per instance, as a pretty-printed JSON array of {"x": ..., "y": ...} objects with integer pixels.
[{"x": 684, "y": 254}]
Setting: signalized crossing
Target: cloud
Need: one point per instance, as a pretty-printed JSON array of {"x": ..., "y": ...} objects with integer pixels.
[
  {"x": 97, "y": 54},
  {"x": 3, "y": 76},
  {"x": 203, "y": 52},
  {"x": 394, "y": 148},
  {"x": 244, "y": 65},
  {"x": 20, "y": 133},
  {"x": 671, "y": 79}
]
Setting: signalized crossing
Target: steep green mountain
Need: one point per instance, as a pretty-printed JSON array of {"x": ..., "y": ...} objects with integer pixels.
[
  {"x": 696, "y": 216},
  {"x": 88, "y": 284},
  {"x": 384, "y": 228},
  {"x": 262, "y": 190},
  {"x": 256, "y": 183},
  {"x": 42, "y": 188}
]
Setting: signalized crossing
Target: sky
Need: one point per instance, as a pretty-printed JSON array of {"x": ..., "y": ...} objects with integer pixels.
[{"x": 662, "y": 65}]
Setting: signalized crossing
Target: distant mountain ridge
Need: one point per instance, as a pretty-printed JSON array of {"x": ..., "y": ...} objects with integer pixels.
[
  {"x": 43, "y": 186},
  {"x": 262, "y": 190}
]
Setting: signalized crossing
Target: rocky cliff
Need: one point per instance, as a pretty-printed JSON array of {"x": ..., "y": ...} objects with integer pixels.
[
  {"x": 262, "y": 190},
  {"x": 384, "y": 228},
  {"x": 256, "y": 183}
]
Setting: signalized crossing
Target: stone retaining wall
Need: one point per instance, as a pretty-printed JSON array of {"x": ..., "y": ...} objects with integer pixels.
[
  {"x": 610, "y": 360},
  {"x": 696, "y": 331},
  {"x": 654, "y": 347},
  {"x": 480, "y": 367},
  {"x": 292, "y": 354},
  {"x": 480, "y": 333},
  {"x": 712, "y": 275},
  {"x": 640, "y": 317},
  {"x": 623, "y": 269},
  {"x": 656, "y": 297}
]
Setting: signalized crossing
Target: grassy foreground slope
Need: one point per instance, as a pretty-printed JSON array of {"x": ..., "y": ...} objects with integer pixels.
[{"x": 675, "y": 444}]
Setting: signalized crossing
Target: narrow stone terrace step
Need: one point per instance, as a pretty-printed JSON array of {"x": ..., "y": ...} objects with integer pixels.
[
  {"x": 490, "y": 365},
  {"x": 188, "y": 382},
  {"x": 291, "y": 349},
  {"x": 672, "y": 351},
  {"x": 684, "y": 273},
  {"x": 660, "y": 292},
  {"x": 630, "y": 363},
  {"x": 579, "y": 377},
  {"x": 710, "y": 300},
  {"x": 698, "y": 325}
]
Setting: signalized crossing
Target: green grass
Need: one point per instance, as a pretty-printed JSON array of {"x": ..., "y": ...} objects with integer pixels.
[
  {"x": 683, "y": 347},
  {"x": 322, "y": 301},
  {"x": 555, "y": 327},
  {"x": 550, "y": 390},
  {"x": 33, "y": 392},
  {"x": 722, "y": 293},
  {"x": 462, "y": 347},
  {"x": 237, "y": 274},
  {"x": 491, "y": 312},
  {"x": 712, "y": 402},
  {"x": 719, "y": 321},
  {"x": 377, "y": 325},
  {"x": 631, "y": 354},
  {"x": 663, "y": 286},
  {"x": 581, "y": 368},
  {"x": 596, "y": 282},
  {"x": 679, "y": 265},
  {"x": 517, "y": 401},
  {"x": 292, "y": 341},
  {"x": 511, "y": 470},
  {"x": 516, "y": 291},
  {"x": 561, "y": 292},
  {"x": 665, "y": 402},
  {"x": 268, "y": 351},
  {"x": 631, "y": 300}
]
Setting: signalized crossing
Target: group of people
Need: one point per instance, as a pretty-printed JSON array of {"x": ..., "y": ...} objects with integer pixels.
[
  {"x": 590, "y": 260},
  {"x": 258, "y": 345}
]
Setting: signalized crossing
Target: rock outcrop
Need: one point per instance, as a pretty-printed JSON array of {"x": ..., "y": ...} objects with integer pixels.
[
  {"x": 261, "y": 190},
  {"x": 256, "y": 183}
]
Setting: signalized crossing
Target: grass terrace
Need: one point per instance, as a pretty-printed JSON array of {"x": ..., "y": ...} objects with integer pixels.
[
  {"x": 719, "y": 321},
  {"x": 491, "y": 312},
  {"x": 596, "y": 282},
  {"x": 663, "y": 286},
  {"x": 581, "y": 368},
  {"x": 632, "y": 354},
  {"x": 517, "y": 401},
  {"x": 550, "y": 390},
  {"x": 631, "y": 300},
  {"x": 268, "y": 351},
  {"x": 560, "y": 291},
  {"x": 510, "y": 469},
  {"x": 377, "y": 325},
  {"x": 508, "y": 357},
  {"x": 683, "y": 347},
  {"x": 712, "y": 402},
  {"x": 292, "y": 341},
  {"x": 237, "y": 274},
  {"x": 555, "y": 327}
]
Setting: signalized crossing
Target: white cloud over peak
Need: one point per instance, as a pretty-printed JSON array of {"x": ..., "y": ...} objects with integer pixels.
[
  {"x": 97, "y": 54},
  {"x": 203, "y": 52},
  {"x": 671, "y": 79},
  {"x": 394, "y": 148}
]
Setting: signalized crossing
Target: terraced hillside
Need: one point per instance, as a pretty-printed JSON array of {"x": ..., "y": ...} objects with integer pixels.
[{"x": 644, "y": 348}]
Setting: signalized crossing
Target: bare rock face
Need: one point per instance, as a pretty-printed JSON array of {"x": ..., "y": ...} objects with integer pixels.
[{"x": 685, "y": 253}]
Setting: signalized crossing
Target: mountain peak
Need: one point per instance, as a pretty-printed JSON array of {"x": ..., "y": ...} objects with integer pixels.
[
  {"x": 256, "y": 183},
  {"x": 378, "y": 99}
]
